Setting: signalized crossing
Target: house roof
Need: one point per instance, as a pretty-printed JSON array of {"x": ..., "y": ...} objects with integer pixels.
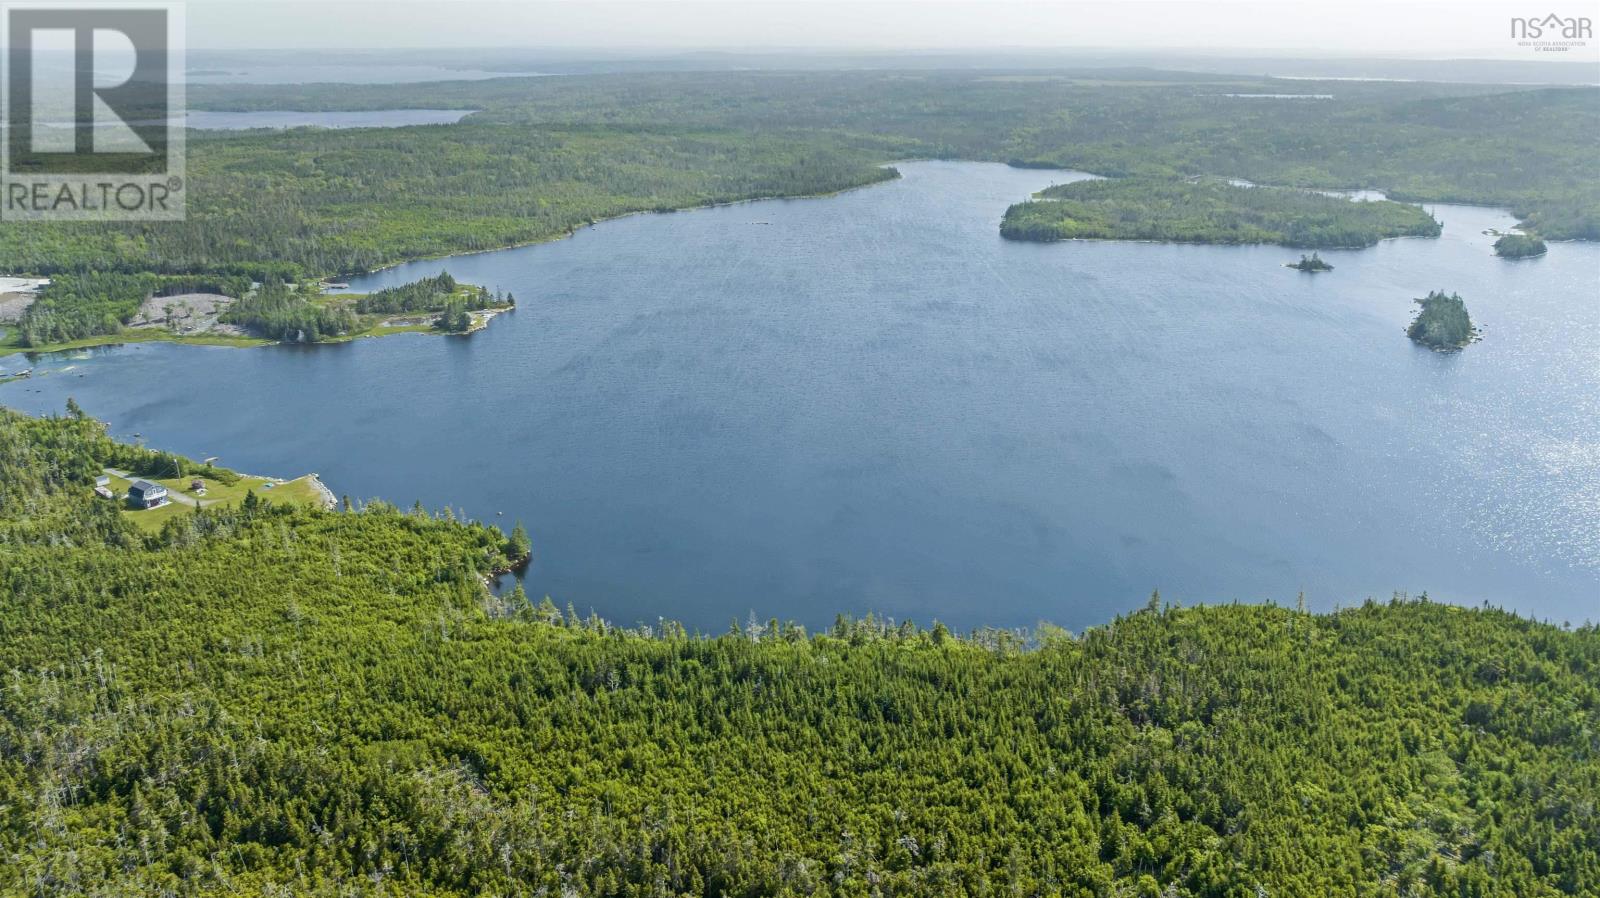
[{"x": 145, "y": 486}]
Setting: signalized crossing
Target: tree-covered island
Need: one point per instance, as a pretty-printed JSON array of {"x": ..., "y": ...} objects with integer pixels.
[
  {"x": 1209, "y": 211},
  {"x": 1519, "y": 246},
  {"x": 1442, "y": 324},
  {"x": 1312, "y": 263}
]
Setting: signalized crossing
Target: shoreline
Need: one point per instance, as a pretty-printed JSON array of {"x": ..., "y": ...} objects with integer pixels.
[
  {"x": 573, "y": 232},
  {"x": 400, "y": 325},
  {"x": 154, "y": 335},
  {"x": 1021, "y": 165},
  {"x": 304, "y": 491},
  {"x": 127, "y": 336},
  {"x": 161, "y": 335},
  {"x": 136, "y": 335},
  {"x": 1319, "y": 249},
  {"x": 329, "y": 501},
  {"x": 325, "y": 497}
]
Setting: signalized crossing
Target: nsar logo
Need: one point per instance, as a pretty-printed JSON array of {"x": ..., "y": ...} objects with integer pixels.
[{"x": 1552, "y": 26}]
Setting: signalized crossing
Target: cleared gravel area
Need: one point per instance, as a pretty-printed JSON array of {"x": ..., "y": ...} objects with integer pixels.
[
  {"x": 12, "y": 305},
  {"x": 186, "y": 313}
]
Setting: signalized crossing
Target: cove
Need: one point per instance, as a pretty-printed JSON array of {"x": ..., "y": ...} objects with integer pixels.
[{"x": 871, "y": 402}]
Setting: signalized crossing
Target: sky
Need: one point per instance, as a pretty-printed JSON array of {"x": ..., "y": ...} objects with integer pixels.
[{"x": 1423, "y": 29}]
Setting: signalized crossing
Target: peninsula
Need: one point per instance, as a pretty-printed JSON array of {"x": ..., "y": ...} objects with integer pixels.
[
  {"x": 95, "y": 308},
  {"x": 1209, "y": 211}
]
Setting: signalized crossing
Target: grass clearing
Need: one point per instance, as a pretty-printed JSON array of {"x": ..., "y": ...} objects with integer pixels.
[{"x": 300, "y": 491}]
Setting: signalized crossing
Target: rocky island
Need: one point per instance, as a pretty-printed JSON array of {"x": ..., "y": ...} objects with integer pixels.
[
  {"x": 1312, "y": 263},
  {"x": 1443, "y": 324}
]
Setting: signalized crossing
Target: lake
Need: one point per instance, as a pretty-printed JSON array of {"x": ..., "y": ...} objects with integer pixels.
[
  {"x": 870, "y": 402},
  {"x": 218, "y": 120},
  {"x": 361, "y": 72},
  {"x": 209, "y": 120}
]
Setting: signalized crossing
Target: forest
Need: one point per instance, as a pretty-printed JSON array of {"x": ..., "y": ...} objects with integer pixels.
[
  {"x": 1531, "y": 149},
  {"x": 290, "y": 313},
  {"x": 89, "y": 302},
  {"x": 441, "y": 294},
  {"x": 543, "y": 156},
  {"x": 302, "y": 313},
  {"x": 1208, "y": 211},
  {"x": 427, "y": 294},
  {"x": 313, "y": 203},
  {"x": 275, "y": 700}
]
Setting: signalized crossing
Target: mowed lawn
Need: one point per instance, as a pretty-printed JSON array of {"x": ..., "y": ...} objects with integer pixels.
[{"x": 301, "y": 490}]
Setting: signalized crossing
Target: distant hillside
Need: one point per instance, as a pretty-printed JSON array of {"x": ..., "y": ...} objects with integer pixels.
[{"x": 543, "y": 156}]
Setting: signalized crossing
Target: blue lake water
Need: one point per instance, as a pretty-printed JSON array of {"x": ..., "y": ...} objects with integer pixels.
[
  {"x": 872, "y": 402},
  {"x": 208, "y": 120},
  {"x": 362, "y": 72},
  {"x": 298, "y": 67}
]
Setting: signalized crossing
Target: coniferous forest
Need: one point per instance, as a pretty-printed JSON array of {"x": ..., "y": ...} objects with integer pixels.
[
  {"x": 1210, "y": 212},
  {"x": 1519, "y": 246},
  {"x": 272, "y": 700},
  {"x": 269, "y": 699},
  {"x": 542, "y": 156},
  {"x": 286, "y": 312},
  {"x": 88, "y": 303},
  {"x": 1442, "y": 322}
]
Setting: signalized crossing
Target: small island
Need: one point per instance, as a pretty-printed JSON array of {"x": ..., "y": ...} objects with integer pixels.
[
  {"x": 1312, "y": 263},
  {"x": 1209, "y": 211},
  {"x": 1519, "y": 246},
  {"x": 1443, "y": 324}
]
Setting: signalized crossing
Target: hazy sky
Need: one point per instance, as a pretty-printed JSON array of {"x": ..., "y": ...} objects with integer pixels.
[{"x": 1416, "y": 28}]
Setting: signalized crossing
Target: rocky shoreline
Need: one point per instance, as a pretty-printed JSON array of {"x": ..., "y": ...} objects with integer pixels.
[{"x": 325, "y": 495}]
